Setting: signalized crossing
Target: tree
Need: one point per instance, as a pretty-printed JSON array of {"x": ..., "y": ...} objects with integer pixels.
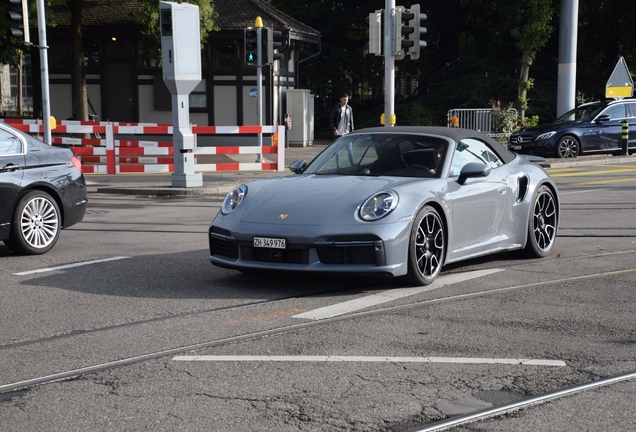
[
  {"x": 531, "y": 36},
  {"x": 149, "y": 20}
]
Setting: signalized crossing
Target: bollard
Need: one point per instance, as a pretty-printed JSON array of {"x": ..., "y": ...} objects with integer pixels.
[{"x": 625, "y": 137}]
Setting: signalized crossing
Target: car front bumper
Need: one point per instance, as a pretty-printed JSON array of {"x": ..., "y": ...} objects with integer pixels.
[{"x": 360, "y": 251}]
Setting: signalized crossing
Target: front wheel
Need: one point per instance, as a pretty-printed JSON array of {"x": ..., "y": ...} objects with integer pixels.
[
  {"x": 36, "y": 224},
  {"x": 542, "y": 224},
  {"x": 566, "y": 148},
  {"x": 427, "y": 247}
]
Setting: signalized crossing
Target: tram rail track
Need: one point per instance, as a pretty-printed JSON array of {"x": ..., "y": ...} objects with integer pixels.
[
  {"x": 516, "y": 406},
  {"x": 70, "y": 374}
]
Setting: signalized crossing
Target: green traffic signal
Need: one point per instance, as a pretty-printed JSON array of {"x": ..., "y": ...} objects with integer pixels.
[{"x": 250, "y": 46}]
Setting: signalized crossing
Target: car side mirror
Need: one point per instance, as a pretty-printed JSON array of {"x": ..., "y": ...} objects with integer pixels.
[
  {"x": 298, "y": 166},
  {"x": 473, "y": 169},
  {"x": 602, "y": 118}
]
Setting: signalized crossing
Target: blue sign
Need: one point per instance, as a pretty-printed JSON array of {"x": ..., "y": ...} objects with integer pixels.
[{"x": 253, "y": 92}]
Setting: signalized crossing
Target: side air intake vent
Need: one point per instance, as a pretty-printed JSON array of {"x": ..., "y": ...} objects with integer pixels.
[{"x": 522, "y": 188}]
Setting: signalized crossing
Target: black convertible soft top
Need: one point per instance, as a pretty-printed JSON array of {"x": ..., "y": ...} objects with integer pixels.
[{"x": 456, "y": 134}]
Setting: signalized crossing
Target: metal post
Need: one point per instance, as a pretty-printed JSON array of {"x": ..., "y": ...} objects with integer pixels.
[
  {"x": 625, "y": 140},
  {"x": 389, "y": 62},
  {"x": 44, "y": 72},
  {"x": 566, "y": 81},
  {"x": 259, "y": 89}
]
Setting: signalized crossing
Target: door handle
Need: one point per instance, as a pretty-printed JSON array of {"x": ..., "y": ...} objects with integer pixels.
[{"x": 11, "y": 167}]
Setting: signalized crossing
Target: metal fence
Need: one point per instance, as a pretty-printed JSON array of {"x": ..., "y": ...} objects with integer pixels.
[{"x": 480, "y": 119}]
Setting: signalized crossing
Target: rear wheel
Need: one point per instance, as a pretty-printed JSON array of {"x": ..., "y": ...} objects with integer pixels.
[
  {"x": 542, "y": 224},
  {"x": 427, "y": 247},
  {"x": 567, "y": 147},
  {"x": 36, "y": 224}
]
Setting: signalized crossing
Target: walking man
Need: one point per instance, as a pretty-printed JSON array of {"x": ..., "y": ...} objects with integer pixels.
[{"x": 341, "y": 118}]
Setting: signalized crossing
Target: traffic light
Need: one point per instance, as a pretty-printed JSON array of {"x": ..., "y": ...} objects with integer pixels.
[
  {"x": 19, "y": 15},
  {"x": 250, "y": 47},
  {"x": 418, "y": 32},
  {"x": 408, "y": 31},
  {"x": 402, "y": 31},
  {"x": 374, "y": 32},
  {"x": 274, "y": 40}
]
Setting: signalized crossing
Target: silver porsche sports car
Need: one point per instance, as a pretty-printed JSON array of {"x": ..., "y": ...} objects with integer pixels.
[{"x": 402, "y": 201}]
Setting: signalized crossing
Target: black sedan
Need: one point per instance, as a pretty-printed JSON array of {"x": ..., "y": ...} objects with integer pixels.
[
  {"x": 42, "y": 190},
  {"x": 590, "y": 128}
]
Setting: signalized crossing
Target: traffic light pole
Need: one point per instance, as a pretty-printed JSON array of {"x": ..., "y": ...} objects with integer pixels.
[
  {"x": 389, "y": 62},
  {"x": 259, "y": 87},
  {"x": 44, "y": 69}
]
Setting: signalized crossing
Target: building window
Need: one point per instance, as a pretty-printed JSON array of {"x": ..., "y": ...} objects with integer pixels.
[
  {"x": 26, "y": 104},
  {"x": 198, "y": 96},
  {"x": 225, "y": 56},
  {"x": 91, "y": 55}
]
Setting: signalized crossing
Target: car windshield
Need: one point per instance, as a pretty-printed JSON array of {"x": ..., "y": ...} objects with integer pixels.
[
  {"x": 382, "y": 154},
  {"x": 581, "y": 113}
]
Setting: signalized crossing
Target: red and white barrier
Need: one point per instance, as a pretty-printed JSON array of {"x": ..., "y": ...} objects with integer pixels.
[{"x": 113, "y": 156}]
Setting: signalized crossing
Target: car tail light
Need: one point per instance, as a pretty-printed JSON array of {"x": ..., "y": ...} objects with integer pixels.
[{"x": 76, "y": 162}]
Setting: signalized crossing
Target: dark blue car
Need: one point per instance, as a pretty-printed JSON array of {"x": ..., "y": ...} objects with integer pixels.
[{"x": 590, "y": 128}]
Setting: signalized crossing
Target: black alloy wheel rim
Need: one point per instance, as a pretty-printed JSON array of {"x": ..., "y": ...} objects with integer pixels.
[
  {"x": 429, "y": 245},
  {"x": 544, "y": 220}
]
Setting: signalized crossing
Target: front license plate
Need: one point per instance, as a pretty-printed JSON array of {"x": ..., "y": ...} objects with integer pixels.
[
  {"x": 266, "y": 242},
  {"x": 516, "y": 147}
]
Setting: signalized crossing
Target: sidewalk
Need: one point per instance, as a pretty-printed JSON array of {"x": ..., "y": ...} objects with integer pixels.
[{"x": 218, "y": 184}]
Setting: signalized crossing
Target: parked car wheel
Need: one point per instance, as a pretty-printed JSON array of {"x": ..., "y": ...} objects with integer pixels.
[
  {"x": 567, "y": 147},
  {"x": 36, "y": 224},
  {"x": 542, "y": 224},
  {"x": 427, "y": 247}
]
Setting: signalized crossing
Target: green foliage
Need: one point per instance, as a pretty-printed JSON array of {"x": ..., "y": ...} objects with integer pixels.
[
  {"x": 531, "y": 121},
  {"x": 534, "y": 28},
  {"x": 415, "y": 114},
  {"x": 504, "y": 118},
  {"x": 149, "y": 20},
  {"x": 10, "y": 47}
]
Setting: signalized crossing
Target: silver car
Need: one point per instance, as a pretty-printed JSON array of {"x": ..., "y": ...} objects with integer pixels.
[{"x": 398, "y": 202}]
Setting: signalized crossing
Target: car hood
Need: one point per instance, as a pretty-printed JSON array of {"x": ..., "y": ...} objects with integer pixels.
[
  {"x": 537, "y": 130},
  {"x": 312, "y": 199}
]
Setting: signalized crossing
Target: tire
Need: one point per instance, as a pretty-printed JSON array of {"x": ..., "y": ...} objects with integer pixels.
[
  {"x": 567, "y": 147},
  {"x": 542, "y": 223},
  {"x": 427, "y": 247},
  {"x": 36, "y": 224}
]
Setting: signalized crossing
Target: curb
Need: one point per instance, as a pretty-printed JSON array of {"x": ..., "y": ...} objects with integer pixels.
[
  {"x": 218, "y": 191},
  {"x": 222, "y": 189}
]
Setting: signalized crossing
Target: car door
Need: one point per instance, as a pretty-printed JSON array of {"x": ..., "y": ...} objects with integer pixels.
[
  {"x": 479, "y": 205},
  {"x": 605, "y": 136},
  {"x": 12, "y": 161}
]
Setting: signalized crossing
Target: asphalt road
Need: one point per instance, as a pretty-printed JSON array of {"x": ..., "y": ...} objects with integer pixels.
[{"x": 225, "y": 351}]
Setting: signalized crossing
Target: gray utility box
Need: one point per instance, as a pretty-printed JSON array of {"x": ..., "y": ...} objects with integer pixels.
[
  {"x": 180, "y": 46},
  {"x": 300, "y": 105}
]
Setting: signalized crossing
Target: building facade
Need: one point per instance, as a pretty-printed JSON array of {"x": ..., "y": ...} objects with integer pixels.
[{"x": 125, "y": 84}]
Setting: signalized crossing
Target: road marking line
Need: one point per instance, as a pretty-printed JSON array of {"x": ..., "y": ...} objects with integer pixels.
[
  {"x": 579, "y": 192},
  {"x": 462, "y": 360},
  {"x": 584, "y": 173},
  {"x": 602, "y": 182},
  {"x": 387, "y": 296},
  {"x": 62, "y": 267}
]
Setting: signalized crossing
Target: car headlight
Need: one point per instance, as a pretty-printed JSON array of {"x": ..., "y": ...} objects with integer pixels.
[
  {"x": 233, "y": 199},
  {"x": 545, "y": 136},
  {"x": 379, "y": 205}
]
